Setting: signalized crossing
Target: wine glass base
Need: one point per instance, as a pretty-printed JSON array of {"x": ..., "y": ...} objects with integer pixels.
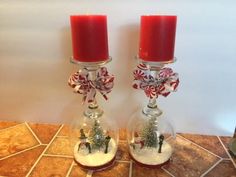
[
  {"x": 98, "y": 168},
  {"x": 150, "y": 166},
  {"x": 150, "y": 156},
  {"x": 96, "y": 159},
  {"x": 152, "y": 111}
]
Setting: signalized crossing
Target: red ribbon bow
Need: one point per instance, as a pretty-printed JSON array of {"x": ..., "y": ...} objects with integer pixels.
[
  {"x": 165, "y": 82},
  {"x": 83, "y": 85}
]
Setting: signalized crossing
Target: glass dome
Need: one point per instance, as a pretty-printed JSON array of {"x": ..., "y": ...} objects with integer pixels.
[
  {"x": 149, "y": 136},
  {"x": 94, "y": 139}
]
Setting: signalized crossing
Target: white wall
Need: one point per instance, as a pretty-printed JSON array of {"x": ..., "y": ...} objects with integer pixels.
[{"x": 35, "y": 47}]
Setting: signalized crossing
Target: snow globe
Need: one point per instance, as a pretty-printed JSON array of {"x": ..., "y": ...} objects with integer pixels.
[
  {"x": 149, "y": 134},
  {"x": 94, "y": 139}
]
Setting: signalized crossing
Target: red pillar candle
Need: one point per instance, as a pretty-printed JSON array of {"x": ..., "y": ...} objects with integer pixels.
[
  {"x": 157, "y": 38},
  {"x": 89, "y": 38}
]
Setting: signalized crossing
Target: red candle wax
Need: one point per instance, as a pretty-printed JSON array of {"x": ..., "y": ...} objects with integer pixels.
[
  {"x": 157, "y": 38},
  {"x": 89, "y": 38}
]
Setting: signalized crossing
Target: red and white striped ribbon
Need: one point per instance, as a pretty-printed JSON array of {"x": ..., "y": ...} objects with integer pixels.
[
  {"x": 165, "y": 82},
  {"x": 81, "y": 84}
]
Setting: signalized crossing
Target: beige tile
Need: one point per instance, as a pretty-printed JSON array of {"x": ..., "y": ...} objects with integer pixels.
[
  {"x": 15, "y": 139},
  {"x": 123, "y": 152},
  {"x": 6, "y": 124},
  {"x": 44, "y": 132},
  {"x": 76, "y": 171},
  {"x": 60, "y": 146},
  {"x": 20, "y": 164},
  {"x": 208, "y": 142},
  {"x": 120, "y": 169},
  {"x": 224, "y": 168},
  {"x": 51, "y": 167},
  {"x": 225, "y": 140},
  {"x": 188, "y": 159},
  {"x": 139, "y": 171},
  {"x": 123, "y": 134},
  {"x": 65, "y": 131}
]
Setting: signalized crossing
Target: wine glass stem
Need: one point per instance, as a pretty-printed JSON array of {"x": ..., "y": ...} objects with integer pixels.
[
  {"x": 152, "y": 110},
  {"x": 152, "y": 103},
  {"x": 93, "y": 111}
]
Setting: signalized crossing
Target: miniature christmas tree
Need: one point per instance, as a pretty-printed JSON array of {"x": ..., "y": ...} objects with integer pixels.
[
  {"x": 97, "y": 137},
  {"x": 149, "y": 134}
]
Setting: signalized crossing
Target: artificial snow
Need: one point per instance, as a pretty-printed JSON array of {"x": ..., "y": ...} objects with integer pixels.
[
  {"x": 96, "y": 157},
  {"x": 150, "y": 156}
]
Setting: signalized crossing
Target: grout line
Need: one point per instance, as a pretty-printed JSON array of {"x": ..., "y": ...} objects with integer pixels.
[
  {"x": 20, "y": 152},
  {"x": 69, "y": 171},
  {"x": 89, "y": 173},
  {"x": 228, "y": 159},
  {"x": 200, "y": 146},
  {"x": 227, "y": 152},
  {"x": 58, "y": 155},
  {"x": 44, "y": 151},
  {"x": 211, "y": 168},
  {"x": 123, "y": 161},
  {"x": 35, "y": 136},
  {"x": 63, "y": 136},
  {"x": 11, "y": 127},
  {"x": 131, "y": 168},
  {"x": 167, "y": 171},
  {"x": 44, "y": 144}
]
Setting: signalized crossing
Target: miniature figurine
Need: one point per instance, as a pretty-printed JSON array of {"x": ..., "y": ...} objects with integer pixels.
[
  {"x": 161, "y": 139},
  {"x": 107, "y": 140},
  {"x": 138, "y": 142},
  {"x": 83, "y": 141}
]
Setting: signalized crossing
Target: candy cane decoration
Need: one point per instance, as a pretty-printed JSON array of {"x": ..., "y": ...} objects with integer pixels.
[
  {"x": 81, "y": 83},
  {"x": 163, "y": 84}
]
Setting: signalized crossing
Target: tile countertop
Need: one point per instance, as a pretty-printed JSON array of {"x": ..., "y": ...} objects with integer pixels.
[{"x": 42, "y": 150}]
